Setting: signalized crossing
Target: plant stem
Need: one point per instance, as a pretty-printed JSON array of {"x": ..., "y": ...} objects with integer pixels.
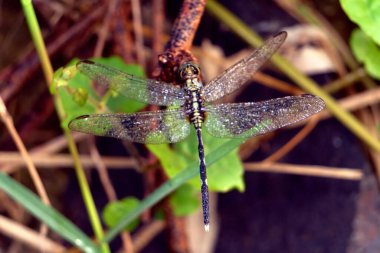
[
  {"x": 301, "y": 80},
  {"x": 48, "y": 72}
]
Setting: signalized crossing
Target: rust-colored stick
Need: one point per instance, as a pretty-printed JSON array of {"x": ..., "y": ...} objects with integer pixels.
[
  {"x": 177, "y": 50},
  {"x": 103, "y": 32},
  {"x": 186, "y": 25},
  {"x": 121, "y": 33}
]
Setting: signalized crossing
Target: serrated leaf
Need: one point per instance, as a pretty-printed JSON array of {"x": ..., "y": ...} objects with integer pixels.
[
  {"x": 366, "y": 51},
  {"x": 46, "y": 214},
  {"x": 184, "y": 200},
  {"x": 366, "y": 14},
  {"x": 114, "y": 211}
]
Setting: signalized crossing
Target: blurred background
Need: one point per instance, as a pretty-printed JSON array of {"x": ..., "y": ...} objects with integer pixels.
[{"x": 319, "y": 192}]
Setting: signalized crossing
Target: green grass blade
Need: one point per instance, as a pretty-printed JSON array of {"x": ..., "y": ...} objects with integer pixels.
[
  {"x": 246, "y": 33},
  {"x": 48, "y": 215},
  {"x": 31, "y": 19},
  {"x": 182, "y": 177}
]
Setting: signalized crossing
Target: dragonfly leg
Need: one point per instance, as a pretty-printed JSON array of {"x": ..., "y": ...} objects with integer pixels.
[{"x": 204, "y": 186}]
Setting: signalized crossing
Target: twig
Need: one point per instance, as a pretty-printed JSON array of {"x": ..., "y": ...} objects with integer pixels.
[
  {"x": 275, "y": 83},
  {"x": 48, "y": 73},
  {"x": 127, "y": 242},
  {"x": 306, "y": 14},
  {"x": 56, "y": 144},
  {"x": 303, "y": 81},
  {"x": 17, "y": 75},
  {"x": 45, "y": 149},
  {"x": 103, "y": 31},
  {"x": 177, "y": 49},
  {"x": 356, "y": 101},
  {"x": 345, "y": 81},
  {"x": 310, "y": 125},
  {"x": 29, "y": 237},
  {"x": 137, "y": 27},
  {"x": 186, "y": 24},
  {"x": 48, "y": 161},
  {"x": 7, "y": 119},
  {"x": 107, "y": 185},
  {"x": 102, "y": 170},
  {"x": 121, "y": 35},
  {"x": 146, "y": 234},
  {"x": 306, "y": 170},
  {"x": 158, "y": 25},
  {"x": 12, "y": 209}
]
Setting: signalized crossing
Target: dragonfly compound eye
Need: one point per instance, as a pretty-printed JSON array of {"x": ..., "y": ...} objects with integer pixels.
[{"x": 188, "y": 70}]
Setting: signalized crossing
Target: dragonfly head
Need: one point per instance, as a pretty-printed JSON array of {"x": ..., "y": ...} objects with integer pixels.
[{"x": 188, "y": 70}]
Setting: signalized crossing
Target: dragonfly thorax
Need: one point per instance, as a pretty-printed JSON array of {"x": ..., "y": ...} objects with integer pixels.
[{"x": 189, "y": 74}]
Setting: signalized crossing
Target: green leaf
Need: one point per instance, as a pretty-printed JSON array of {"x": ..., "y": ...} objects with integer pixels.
[
  {"x": 367, "y": 52},
  {"x": 114, "y": 211},
  {"x": 78, "y": 96},
  {"x": 229, "y": 172},
  {"x": 189, "y": 172},
  {"x": 74, "y": 91},
  {"x": 184, "y": 200},
  {"x": 46, "y": 214},
  {"x": 170, "y": 160},
  {"x": 366, "y": 14}
]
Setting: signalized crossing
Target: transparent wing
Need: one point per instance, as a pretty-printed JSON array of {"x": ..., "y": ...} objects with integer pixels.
[
  {"x": 144, "y": 90},
  {"x": 237, "y": 75},
  {"x": 156, "y": 127},
  {"x": 248, "y": 119}
]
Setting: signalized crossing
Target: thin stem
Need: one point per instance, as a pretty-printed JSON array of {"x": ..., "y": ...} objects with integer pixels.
[
  {"x": 35, "y": 31},
  {"x": 137, "y": 28},
  {"x": 305, "y": 13},
  {"x": 346, "y": 81},
  {"x": 315, "y": 171},
  {"x": 56, "y": 161},
  {"x": 103, "y": 31},
  {"x": 146, "y": 234},
  {"x": 303, "y": 81},
  {"x": 23, "y": 234},
  {"x": 292, "y": 143},
  {"x": 85, "y": 191},
  {"x": 7, "y": 119},
  {"x": 48, "y": 72},
  {"x": 191, "y": 171}
]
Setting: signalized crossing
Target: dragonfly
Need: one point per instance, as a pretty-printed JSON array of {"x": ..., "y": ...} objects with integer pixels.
[{"x": 191, "y": 103}]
